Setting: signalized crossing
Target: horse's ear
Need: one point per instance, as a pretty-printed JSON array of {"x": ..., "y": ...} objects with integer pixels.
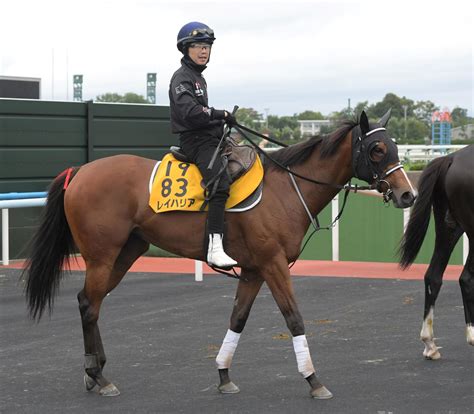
[
  {"x": 364, "y": 123},
  {"x": 386, "y": 117}
]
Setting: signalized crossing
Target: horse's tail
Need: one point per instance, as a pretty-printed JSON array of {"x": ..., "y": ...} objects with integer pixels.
[
  {"x": 49, "y": 249},
  {"x": 419, "y": 221}
]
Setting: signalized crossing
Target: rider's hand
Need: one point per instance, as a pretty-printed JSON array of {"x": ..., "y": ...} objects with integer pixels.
[
  {"x": 230, "y": 119},
  {"x": 217, "y": 114}
]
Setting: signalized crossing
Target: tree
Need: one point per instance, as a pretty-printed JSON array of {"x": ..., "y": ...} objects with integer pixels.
[
  {"x": 309, "y": 116},
  {"x": 394, "y": 102},
  {"x": 459, "y": 117},
  {"x": 416, "y": 131},
  {"x": 423, "y": 111},
  {"x": 361, "y": 106},
  {"x": 109, "y": 97},
  {"x": 250, "y": 118},
  {"x": 129, "y": 97}
]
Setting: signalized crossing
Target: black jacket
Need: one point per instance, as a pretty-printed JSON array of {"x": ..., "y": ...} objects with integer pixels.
[{"x": 190, "y": 111}]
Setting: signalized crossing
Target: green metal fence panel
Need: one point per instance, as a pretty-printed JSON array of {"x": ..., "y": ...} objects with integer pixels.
[
  {"x": 152, "y": 153},
  {"x": 39, "y": 139},
  {"x": 320, "y": 245},
  {"x": 369, "y": 231},
  {"x": 38, "y": 162},
  {"x": 44, "y": 131}
]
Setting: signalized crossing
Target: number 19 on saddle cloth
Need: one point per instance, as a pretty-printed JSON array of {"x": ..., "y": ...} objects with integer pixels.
[{"x": 177, "y": 185}]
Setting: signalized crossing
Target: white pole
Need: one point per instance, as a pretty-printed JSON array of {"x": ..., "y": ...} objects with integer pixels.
[
  {"x": 406, "y": 218},
  {"x": 52, "y": 75},
  {"x": 5, "y": 252},
  {"x": 198, "y": 271},
  {"x": 335, "y": 229},
  {"x": 465, "y": 248}
]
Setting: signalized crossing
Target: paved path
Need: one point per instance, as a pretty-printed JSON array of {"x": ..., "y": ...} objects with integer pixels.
[{"x": 162, "y": 332}]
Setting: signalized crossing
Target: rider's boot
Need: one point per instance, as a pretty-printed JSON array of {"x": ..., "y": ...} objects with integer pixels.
[{"x": 216, "y": 256}]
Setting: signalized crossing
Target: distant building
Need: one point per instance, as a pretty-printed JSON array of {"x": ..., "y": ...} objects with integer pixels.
[
  {"x": 312, "y": 127},
  {"x": 464, "y": 132},
  {"x": 19, "y": 87}
]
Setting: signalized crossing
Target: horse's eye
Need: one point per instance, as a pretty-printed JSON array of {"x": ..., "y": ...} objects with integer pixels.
[{"x": 377, "y": 154}]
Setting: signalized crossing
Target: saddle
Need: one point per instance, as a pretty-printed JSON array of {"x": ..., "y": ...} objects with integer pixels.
[{"x": 240, "y": 158}]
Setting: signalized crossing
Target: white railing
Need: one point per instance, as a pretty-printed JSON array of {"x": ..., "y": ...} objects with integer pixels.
[
  {"x": 13, "y": 200},
  {"x": 411, "y": 153},
  {"x": 425, "y": 153}
]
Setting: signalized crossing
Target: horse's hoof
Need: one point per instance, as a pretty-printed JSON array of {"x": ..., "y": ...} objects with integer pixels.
[
  {"x": 89, "y": 382},
  {"x": 109, "y": 391},
  {"x": 432, "y": 356},
  {"x": 321, "y": 393},
  {"x": 229, "y": 388},
  {"x": 432, "y": 353}
]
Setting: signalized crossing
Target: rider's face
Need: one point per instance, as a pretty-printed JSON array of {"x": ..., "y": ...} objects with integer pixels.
[{"x": 199, "y": 53}]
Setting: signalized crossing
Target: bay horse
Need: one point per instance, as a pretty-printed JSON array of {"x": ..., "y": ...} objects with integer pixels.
[
  {"x": 447, "y": 186},
  {"x": 104, "y": 213}
]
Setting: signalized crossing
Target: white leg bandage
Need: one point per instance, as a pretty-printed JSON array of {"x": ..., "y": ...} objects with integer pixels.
[
  {"x": 470, "y": 334},
  {"x": 303, "y": 357},
  {"x": 226, "y": 353}
]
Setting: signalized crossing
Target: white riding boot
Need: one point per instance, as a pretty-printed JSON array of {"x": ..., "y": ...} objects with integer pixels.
[{"x": 216, "y": 255}]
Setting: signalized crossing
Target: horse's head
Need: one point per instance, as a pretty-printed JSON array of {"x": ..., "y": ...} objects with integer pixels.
[{"x": 375, "y": 160}]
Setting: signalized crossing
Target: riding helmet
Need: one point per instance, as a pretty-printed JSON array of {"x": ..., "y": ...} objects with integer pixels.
[{"x": 194, "y": 32}]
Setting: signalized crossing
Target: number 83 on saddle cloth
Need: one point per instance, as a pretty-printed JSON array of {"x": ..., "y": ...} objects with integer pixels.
[{"x": 177, "y": 185}]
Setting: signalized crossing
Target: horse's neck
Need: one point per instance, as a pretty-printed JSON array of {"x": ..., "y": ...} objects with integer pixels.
[{"x": 336, "y": 170}]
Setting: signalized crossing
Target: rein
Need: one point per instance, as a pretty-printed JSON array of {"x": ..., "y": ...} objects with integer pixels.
[
  {"x": 348, "y": 187},
  {"x": 357, "y": 144}
]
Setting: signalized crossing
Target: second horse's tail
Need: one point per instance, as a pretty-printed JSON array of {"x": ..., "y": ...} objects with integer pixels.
[
  {"x": 50, "y": 248},
  {"x": 419, "y": 221}
]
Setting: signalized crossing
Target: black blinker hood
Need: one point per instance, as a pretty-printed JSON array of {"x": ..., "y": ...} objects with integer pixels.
[{"x": 362, "y": 166}]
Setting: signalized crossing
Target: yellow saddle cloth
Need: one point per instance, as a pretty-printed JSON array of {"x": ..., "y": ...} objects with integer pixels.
[{"x": 176, "y": 185}]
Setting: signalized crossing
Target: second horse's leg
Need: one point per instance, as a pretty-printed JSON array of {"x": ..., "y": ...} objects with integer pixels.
[
  {"x": 244, "y": 298},
  {"x": 447, "y": 235},
  {"x": 466, "y": 282}
]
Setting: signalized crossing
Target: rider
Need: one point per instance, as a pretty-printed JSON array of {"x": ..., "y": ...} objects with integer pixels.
[{"x": 200, "y": 127}]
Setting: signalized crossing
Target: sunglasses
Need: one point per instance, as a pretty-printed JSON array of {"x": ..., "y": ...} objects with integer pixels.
[
  {"x": 205, "y": 46},
  {"x": 196, "y": 32}
]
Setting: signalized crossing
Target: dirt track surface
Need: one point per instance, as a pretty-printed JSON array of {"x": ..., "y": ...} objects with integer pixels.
[{"x": 162, "y": 332}]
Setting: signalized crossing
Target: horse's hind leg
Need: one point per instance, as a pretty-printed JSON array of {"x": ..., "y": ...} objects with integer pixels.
[
  {"x": 100, "y": 280},
  {"x": 247, "y": 291},
  {"x": 448, "y": 233},
  {"x": 466, "y": 282}
]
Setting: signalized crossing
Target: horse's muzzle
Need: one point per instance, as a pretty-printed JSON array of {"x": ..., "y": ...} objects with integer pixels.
[{"x": 406, "y": 200}]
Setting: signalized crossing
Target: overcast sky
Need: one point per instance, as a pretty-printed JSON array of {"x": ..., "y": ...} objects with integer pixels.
[{"x": 286, "y": 56}]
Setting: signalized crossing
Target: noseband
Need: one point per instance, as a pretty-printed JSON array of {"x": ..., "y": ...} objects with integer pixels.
[{"x": 367, "y": 170}]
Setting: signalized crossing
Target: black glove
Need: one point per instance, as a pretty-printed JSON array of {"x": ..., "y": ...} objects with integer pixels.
[
  {"x": 218, "y": 114},
  {"x": 230, "y": 119}
]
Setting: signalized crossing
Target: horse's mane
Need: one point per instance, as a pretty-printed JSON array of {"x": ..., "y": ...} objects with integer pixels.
[{"x": 298, "y": 153}]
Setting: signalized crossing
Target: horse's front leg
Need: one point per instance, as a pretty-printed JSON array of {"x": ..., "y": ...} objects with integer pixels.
[
  {"x": 277, "y": 276},
  {"x": 247, "y": 290}
]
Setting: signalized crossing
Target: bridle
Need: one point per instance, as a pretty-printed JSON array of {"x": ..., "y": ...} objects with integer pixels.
[{"x": 365, "y": 168}]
